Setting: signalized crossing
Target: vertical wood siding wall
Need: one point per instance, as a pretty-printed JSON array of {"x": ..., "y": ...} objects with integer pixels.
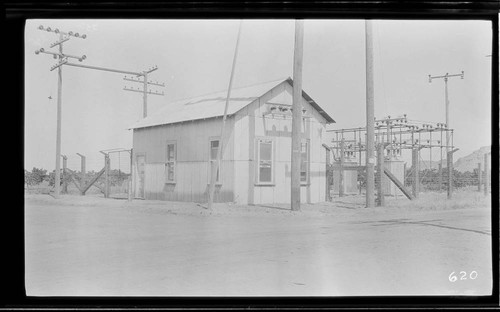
[
  {"x": 239, "y": 168},
  {"x": 192, "y": 163},
  {"x": 250, "y": 123}
]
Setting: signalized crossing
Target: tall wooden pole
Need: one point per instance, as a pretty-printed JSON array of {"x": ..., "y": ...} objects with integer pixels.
[
  {"x": 370, "y": 118},
  {"x": 65, "y": 166},
  {"x": 131, "y": 177},
  {"x": 297, "y": 114},
  {"x": 215, "y": 166},
  {"x": 440, "y": 175},
  {"x": 416, "y": 171},
  {"x": 341, "y": 171},
  {"x": 145, "y": 97},
  {"x": 58, "y": 135},
  {"x": 106, "y": 175},
  {"x": 449, "y": 158},
  {"x": 328, "y": 170},
  {"x": 447, "y": 105},
  {"x": 380, "y": 175}
]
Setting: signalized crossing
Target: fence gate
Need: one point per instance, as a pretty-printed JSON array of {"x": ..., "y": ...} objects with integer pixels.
[{"x": 119, "y": 173}]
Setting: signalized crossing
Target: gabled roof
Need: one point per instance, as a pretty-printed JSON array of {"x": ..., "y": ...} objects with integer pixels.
[{"x": 212, "y": 105}]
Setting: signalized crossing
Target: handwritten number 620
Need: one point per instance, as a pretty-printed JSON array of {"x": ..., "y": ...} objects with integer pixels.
[{"x": 463, "y": 276}]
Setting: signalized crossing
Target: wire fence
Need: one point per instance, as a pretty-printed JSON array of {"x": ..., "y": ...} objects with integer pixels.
[
  {"x": 85, "y": 174},
  {"x": 430, "y": 180}
]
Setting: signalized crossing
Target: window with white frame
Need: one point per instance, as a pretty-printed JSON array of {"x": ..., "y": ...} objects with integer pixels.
[
  {"x": 304, "y": 162},
  {"x": 171, "y": 158},
  {"x": 214, "y": 146},
  {"x": 265, "y": 161}
]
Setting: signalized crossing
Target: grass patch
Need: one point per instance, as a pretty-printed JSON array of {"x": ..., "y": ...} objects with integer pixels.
[{"x": 462, "y": 199}]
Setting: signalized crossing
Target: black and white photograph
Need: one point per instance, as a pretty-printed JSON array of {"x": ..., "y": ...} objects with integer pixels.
[{"x": 258, "y": 157}]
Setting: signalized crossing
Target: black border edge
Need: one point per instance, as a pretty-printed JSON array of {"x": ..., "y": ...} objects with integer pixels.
[{"x": 17, "y": 13}]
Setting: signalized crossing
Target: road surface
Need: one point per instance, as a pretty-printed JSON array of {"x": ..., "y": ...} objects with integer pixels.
[{"x": 89, "y": 246}]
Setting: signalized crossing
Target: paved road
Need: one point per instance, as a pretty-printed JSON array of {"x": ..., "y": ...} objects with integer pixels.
[{"x": 122, "y": 250}]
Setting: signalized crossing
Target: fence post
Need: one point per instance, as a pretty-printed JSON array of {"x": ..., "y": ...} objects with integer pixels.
[
  {"x": 486, "y": 174},
  {"x": 440, "y": 177},
  {"x": 65, "y": 166},
  {"x": 449, "y": 159},
  {"x": 341, "y": 172},
  {"x": 416, "y": 171},
  {"x": 83, "y": 171},
  {"x": 380, "y": 175},
  {"x": 130, "y": 178},
  {"x": 106, "y": 175},
  {"x": 327, "y": 175}
]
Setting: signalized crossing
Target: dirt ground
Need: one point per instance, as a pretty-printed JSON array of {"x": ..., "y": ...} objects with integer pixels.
[{"x": 92, "y": 246}]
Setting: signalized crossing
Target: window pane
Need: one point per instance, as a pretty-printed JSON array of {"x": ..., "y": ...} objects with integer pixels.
[
  {"x": 265, "y": 150},
  {"x": 214, "y": 145},
  {"x": 170, "y": 152},
  {"x": 265, "y": 174}
]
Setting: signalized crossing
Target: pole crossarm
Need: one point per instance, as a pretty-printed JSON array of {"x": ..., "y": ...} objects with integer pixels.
[
  {"x": 152, "y": 69},
  {"x": 62, "y": 55},
  {"x": 446, "y": 76},
  {"x": 156, "y": 83},
  {"x": 142, "y": 91},
  {"x": 115, "y": 150},
  {"x": 61, "y": 41},
  {"x": 106, "y": 69}
]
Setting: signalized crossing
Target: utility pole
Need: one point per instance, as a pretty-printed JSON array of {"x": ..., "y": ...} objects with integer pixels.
[
  {"x": 65, "y": 166},
  {"x": 341, "y": 171},
  {"x": 215, "y": 166},
  {"x": 447, "y": 102},
  {"x": 380, "y": 174},
  {"x": 370, "y": 117},
  {"x": 145, "y": 83},
  {"x": 297, "y": 114},
  {"x": 63, "y": 59},
  {"x": 449, "y": 159},
  {"x": 416, "y": 170}
]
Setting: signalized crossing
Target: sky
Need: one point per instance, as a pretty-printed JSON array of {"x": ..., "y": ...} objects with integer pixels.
[{"x": 194, "y": 57}]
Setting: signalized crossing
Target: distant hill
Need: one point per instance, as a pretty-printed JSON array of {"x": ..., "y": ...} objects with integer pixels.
[
  {"x": 469, "y": 162},
  {"x": 463, "y": 164}
]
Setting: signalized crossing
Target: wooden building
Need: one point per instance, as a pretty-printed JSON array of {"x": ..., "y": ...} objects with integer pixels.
[{"x": 173, "y": 148}]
